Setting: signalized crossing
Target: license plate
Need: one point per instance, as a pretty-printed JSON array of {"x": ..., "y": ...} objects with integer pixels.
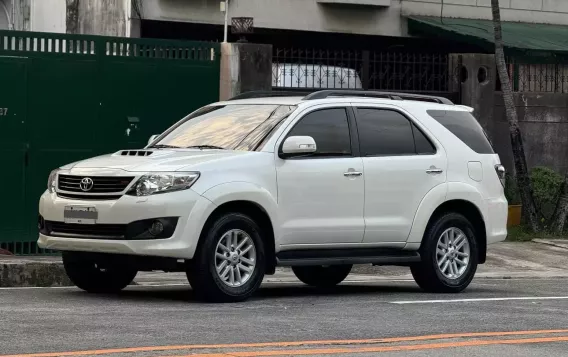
[{"x": 80, "y": 215}]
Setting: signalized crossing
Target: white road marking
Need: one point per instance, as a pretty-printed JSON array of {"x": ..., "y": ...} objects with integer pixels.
[{"x": 479, "y": 300}]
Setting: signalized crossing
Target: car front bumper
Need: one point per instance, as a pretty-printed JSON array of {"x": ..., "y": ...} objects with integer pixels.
[{"x": 191, "y": 209}]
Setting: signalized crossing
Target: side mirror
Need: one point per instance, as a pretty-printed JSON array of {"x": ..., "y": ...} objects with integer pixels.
[
  {"x": 297, "y": 145},
  {"x": 152, "y": 139}
]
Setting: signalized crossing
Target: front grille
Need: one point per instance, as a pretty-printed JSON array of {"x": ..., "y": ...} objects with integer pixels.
[
  {"x": 91, "y": 231},
  {"x": 75, "y": 196},
  {"x": 100, "y": 184}
]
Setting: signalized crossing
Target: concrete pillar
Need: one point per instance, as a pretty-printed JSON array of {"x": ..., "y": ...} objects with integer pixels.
[
  {"x": 476, "y": 78},
  {"x": 245, "y": 67}
]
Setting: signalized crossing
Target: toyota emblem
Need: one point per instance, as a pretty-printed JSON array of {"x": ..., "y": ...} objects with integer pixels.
[{"x": 86, "y": 184}]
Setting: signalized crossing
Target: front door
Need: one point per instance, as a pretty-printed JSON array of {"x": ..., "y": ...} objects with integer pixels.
[
  {"x": 321, "y": 195},
  {"x": 402, "y": 164}
]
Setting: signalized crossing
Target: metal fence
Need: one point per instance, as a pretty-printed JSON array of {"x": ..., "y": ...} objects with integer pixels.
[
  {"x": 69, "y": 97},
  {"x": 531, "y": 76},
  {"x": 326, "y": 69}
]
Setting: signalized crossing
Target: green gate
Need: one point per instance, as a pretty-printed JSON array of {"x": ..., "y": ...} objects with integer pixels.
[{"x": 65, "y": 98}]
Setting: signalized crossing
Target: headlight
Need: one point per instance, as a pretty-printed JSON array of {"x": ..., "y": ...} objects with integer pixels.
[
  {"x": 52, "y": 181},
  {"x": 154, "y": 183}
]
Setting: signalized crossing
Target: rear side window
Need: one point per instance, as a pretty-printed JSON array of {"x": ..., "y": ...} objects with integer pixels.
[
  {"x": 464, "y": 125},
  {"x": 389, "y": 133}
]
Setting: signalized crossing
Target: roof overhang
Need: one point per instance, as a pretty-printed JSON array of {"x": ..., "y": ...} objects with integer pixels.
[{"x": 518, "y": 37}]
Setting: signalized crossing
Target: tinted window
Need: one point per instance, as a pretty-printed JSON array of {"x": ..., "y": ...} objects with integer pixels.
[
  {"x": 330, "y": 130},
  {"x": 423, "y": 145},
  {"x": 384, "y": 133},
  {"x": 464, "y": 125}
]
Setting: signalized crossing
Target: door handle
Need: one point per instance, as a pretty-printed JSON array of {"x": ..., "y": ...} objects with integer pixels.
[
  {"x": 433, "y": 170},
  {"x": 352, "y": 174}
]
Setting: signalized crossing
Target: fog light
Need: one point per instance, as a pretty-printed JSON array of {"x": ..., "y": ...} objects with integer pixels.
[{"x": 157, "y": 228}]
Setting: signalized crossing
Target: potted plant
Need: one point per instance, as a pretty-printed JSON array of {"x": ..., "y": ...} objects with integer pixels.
[{"x": 515, "y": 207}]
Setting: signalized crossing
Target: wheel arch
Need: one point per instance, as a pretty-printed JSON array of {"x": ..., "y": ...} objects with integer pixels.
[
  {"x": 470, "y": 211},
  {"x": 252, "y": 202}
]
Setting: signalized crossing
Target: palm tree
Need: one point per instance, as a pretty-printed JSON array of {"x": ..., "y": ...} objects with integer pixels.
[{"x": 521, "y": 172}]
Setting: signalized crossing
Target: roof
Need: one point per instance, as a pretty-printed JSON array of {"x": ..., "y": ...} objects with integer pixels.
[{"x": 517, "y": 36}]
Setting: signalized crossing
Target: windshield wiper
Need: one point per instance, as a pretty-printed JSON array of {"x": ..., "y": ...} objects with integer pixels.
[
  {"x": 162, "y": 146},
  {"x": 205, "y": 147}
]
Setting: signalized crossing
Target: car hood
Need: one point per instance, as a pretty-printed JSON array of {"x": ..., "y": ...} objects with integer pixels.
[{"x": 161, "y": 160}]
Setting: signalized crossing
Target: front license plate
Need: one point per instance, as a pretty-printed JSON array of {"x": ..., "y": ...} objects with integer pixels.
[{"x": 80, "y": 215}]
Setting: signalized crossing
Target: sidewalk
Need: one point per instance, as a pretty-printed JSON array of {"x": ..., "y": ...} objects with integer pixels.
[{"x": 539, "y": 259}]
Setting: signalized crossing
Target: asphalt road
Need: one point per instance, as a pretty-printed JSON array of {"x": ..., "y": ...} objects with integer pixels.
[{"x": 515, "y": 317}]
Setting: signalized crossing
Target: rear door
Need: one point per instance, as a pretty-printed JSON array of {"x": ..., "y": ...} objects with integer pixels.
[{"x": 402, "y": 163}]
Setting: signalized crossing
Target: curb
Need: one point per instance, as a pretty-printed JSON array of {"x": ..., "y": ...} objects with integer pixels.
[
  {"x": 551, "y": 243},
  {"x": 33, "y": 274}
]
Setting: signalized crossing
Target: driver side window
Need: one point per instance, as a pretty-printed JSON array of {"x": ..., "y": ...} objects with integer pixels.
[{"x": 330, "y": 130}]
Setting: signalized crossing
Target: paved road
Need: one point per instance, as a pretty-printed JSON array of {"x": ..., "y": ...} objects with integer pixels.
[{"x": 390, "y": 318}]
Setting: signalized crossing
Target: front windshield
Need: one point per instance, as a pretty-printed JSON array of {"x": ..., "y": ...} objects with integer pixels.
[{"x": 233, "y": 127}]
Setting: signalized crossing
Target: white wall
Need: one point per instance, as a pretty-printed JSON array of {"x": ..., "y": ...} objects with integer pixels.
[
  {"x": 308, "y": 15},
  {"x": 48, "y": 16}
]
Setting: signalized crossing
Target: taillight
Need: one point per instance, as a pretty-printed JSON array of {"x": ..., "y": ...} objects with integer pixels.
[{"x": 500, "y": 170}]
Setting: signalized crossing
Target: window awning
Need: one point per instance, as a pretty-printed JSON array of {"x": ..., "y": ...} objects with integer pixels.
[{"x": 518, "y": 37}]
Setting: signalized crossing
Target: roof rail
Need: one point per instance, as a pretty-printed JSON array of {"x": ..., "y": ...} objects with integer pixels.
[
  {"x": 269, "y": 94},
  {"x": 374, "y": 94}
]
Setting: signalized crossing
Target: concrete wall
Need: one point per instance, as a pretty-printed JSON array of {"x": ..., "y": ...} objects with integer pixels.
[
  {"x": 244, "y": 67},
  {"x": 17, "y": 12},
  {"x": 95, "y": 17},
  {"x": 104, "y": 17},
  {"x": 309, "y": 15},
  {"x": 5, "y": 14},
  {"x": 48, "y": 16},
  {"x": 544, "y": 124}
]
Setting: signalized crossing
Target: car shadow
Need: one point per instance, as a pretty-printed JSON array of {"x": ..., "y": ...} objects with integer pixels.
[{"x": 184, "y": 294}]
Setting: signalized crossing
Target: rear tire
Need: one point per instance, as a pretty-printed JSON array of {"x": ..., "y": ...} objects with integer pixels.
[
  {"x": 449, "y": 255},
  {"x": 322, "y": 276},
  {"x": 229, "y": 264},
  {"x": 96, "y": 275}
]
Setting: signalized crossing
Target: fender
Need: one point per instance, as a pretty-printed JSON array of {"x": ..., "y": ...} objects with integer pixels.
[
  {"x": 454, "y": 191},
  {"x": 245, "y": 191},
  {"x": 433, "y": 199},
  {"x": 466, "y": 192}
]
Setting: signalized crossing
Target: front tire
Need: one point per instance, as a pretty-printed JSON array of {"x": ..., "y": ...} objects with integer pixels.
[
  {"x": 229, "y": 264},
  {"x": 449, "y": 255},
  {"x": 322, "y": 276},
  {"x": 97, "y": 275}
]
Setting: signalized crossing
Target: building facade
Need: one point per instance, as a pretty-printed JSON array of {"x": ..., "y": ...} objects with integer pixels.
[
  {"x": 364, "y": 17},
  {"x": 131, "y": 18}
]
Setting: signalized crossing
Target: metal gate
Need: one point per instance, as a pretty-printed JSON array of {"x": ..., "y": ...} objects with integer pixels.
[
  {"x": 311, "y": 69},
  {"x": 64, "y": 98}
]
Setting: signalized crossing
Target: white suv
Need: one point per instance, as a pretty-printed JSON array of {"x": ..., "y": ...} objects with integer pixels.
[{"x": 318, "y": 183}]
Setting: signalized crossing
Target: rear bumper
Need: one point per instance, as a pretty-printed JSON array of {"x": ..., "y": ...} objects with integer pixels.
[
  {"x": 191, "y": 208},
  {"x": 496, "y": 220}
]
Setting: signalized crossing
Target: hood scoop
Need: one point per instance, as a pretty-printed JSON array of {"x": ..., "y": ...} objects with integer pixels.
[{"x": 135, "y": 153}]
